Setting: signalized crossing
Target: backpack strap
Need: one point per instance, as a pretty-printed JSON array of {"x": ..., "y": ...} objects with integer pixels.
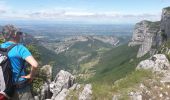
[
  {"x": 19, "y": 74},
  {"x": 10, "y": 47}
]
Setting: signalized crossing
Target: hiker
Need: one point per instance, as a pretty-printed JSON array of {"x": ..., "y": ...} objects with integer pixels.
[{"x": 17, "y": 56}]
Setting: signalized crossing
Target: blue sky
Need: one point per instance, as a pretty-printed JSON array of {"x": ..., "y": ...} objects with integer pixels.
[{"x": 87, "y": 11}]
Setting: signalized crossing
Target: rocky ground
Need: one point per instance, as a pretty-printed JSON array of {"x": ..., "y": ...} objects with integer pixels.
[{"x": 62, "y": 86}]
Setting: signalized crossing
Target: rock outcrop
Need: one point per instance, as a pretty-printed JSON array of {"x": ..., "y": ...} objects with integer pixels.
[
  {"x": 157, "y": 63},
  {"x": 45, "y": 92},
  {"x": 86, "y": 93},
  {"x": 62, "y": 95},
  {"x": 146, "y": 35},
  {"x": 47, "y": 70},
  {"x": 63, "y": 80},
  {"x": 165, "y": 21},
  {"x": 135, "y": 96},
  {"x": 62, "y": 87}
]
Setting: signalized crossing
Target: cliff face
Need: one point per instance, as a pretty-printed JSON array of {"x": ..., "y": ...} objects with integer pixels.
[
  {"x": 165, "y": 21},
  {"x": 149, "y": 34},
  {"x": 146, "y": 35}
]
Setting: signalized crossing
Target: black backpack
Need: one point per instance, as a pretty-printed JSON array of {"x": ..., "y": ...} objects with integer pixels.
[{"x": 6, "y": 84}]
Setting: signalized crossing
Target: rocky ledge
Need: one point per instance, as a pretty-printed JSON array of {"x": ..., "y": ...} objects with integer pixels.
[
  {"x": 60, "y": 88},
  {"x": 157, "y": 63}
]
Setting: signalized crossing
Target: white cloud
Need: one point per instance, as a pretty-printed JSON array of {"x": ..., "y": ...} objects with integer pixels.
[{"x": 60, "y": 14}]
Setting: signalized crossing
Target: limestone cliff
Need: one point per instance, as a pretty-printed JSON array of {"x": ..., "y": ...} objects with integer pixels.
[
  {"x": 165, "y": 21},
  {"x": 145, "y": 34},
  {"x": 149, "y": 34}
]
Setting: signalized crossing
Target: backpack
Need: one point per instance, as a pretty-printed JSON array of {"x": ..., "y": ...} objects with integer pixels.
[{"x": 6, "y": 82}]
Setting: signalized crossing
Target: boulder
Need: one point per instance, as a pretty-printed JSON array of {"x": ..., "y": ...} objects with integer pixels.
[
  {"x": 63, "y": 80},
  {"x": 157, "y": 63},
  {"x": 45, "y": 92},
  {"x": 116, "y": 97},
  {"x": 62, "y": 95},
  {"x": 86, "y": 93},
  {"x": 47, "y": 70},
  {"x": 135, "y": 96}
]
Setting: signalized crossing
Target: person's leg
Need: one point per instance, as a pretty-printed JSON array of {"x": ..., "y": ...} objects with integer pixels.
[
  {"x": 24, "y": 94},
  {"x": 15, "y": 96}
]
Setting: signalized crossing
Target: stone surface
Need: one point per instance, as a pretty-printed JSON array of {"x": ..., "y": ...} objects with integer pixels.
[
  {"x": 165, "y": 21},
  {"x": 36, "y": 98},
  {"x": 86, "y": 93},
  {"x": 135, "y": 96},
  {"x": 116, "y": 97},
  {"x": 45, "y": 92},
  {"x": 47, "y": 70},
  {"x": 74, "y": 87},
  {"x": 63, "y": 80},
  {"x": 166, "y": 77},
  {"x": 145, "y": 34},
  {"x": 158, "y": 63},
  {"x": 62, "y": 95}
]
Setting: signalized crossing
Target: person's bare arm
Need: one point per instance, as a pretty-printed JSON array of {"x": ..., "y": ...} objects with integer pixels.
[{"x": 34, "y": 65}]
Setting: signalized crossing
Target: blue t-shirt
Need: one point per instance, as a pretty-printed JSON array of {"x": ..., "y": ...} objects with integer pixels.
[{"x": 17, "y": 55}]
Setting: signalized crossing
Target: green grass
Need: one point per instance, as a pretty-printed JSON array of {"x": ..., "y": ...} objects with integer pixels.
[
  {"x": 132, "y": 79},
  {"x": 74, "y": 94},
  {"x": 123, "y": 86},
  {"x": 114, "y": 65}
]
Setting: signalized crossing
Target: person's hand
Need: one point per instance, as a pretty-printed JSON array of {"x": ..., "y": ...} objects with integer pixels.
[{"x": 29, "y": 77}]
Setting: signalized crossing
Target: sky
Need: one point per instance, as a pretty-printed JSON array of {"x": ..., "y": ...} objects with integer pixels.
[{"x": 83, "y": 11}]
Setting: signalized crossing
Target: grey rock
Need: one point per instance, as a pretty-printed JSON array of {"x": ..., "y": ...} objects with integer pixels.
[
  {"x": 166, "y": 78},
  {"x": 45, "y": 92},
  {"x": 111, "y": 39},
  {"x": 157, "y": 63},
  {"x": 116, "y": 97},
  {"x": 165, "y": 21},
  {"x": 47, "y": 70},
  {"x": 78, "y": 87},
  {"x": 63, "y": 80},
  {"x": 86, "y": 93},
  {"x": 62, "y": 95},
  {"x": 36, "y": 98},
  {"x": 73, "y": 87},
  {"x": 146, "y": 35},
  {"x": 135, "y": 96}
]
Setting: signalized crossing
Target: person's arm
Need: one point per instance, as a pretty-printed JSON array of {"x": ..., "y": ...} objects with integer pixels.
[{"x": 34, "y": 65}]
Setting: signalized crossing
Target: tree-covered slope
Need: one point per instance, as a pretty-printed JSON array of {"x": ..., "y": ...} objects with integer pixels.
[
  {"x": 79, "y": 53},
  {"x": 115, "y": 64}
]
